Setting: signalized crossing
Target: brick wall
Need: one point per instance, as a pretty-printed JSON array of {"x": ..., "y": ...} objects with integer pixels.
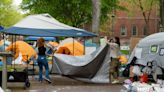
[{"x": 122, "y": 18}]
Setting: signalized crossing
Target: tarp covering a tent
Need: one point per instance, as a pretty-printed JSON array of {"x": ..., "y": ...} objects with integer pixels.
[
  {"x": 22, "y": 47},
  {"x": 45, "y": 25},
  {"x": 151, "y": 48},
  {"x": 89, "y": 68},
  {"x": 70, "y": 47}
]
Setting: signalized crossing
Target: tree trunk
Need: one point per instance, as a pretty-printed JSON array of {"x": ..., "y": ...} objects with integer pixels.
[
  {"x": 96, "y": 19},
  {"x": 147, "y": 29}
]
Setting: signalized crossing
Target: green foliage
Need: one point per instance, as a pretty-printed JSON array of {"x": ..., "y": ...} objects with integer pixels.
[
  {"x": 72, "y": 12},
  {"x": 8, "y": 14},
  {"x": 5, "y": 2}
]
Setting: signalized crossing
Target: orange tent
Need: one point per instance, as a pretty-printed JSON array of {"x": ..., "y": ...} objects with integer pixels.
[
  {"x": 71, "y": 48},
  {"x": 53, "y": 43},
  {"x": 22, "y": 47}
]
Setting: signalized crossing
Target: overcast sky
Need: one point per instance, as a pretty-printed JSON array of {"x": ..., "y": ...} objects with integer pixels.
[{"x": 17, "y": 2}]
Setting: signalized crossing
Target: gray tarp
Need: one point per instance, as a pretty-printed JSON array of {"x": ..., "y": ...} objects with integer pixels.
[{"x": 90, "y": 68}]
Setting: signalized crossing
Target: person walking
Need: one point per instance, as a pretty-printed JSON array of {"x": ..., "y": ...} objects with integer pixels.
[
  {"x": 114, "y": 46},
  {"x": 42, "y": 60}
]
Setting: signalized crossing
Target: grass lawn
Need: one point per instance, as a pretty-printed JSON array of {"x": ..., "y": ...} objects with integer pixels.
[{"x": 125, "y": 52}]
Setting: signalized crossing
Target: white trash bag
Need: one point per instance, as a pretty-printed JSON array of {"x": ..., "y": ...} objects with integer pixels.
[
  {"x": 18, "y": 60},
  {"x": 136, "y": 70}
]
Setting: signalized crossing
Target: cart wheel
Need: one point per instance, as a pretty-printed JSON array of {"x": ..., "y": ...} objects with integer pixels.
[{"x": 27, "y": 85}]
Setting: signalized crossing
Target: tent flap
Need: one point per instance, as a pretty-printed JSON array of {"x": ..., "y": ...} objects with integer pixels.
[{"x": 90, "y": 68}]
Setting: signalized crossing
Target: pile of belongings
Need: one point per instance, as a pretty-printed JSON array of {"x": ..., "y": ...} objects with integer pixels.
[{"x": 143, "y": 87}]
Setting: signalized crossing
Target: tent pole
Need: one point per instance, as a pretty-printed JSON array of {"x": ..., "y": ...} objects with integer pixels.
[
  {"x": 4, "y": 41},
  {"x": 4, "y": 68},
  {"x": 73, "y": 46},
  {"x": 84, "y": 45},
  {"x": 12, "y": 41},
  {"x": 4, "y": 72},
  {"x": 14, "y": 50}
]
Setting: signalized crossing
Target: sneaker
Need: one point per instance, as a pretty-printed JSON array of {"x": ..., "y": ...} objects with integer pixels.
[
  {"x": 40, "y": 81},
  {"x": 115, "y": 81},
  {"x": 48, "y": 80}
]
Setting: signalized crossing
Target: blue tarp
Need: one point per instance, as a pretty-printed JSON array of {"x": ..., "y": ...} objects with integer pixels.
[
  {"x": 90, "y": 44},
  {"x": 47, "y": 32},
  {"x": 34, "y": 38},
  {"x": 46, "y": 26},
  {"x": 1, "y": 28}
]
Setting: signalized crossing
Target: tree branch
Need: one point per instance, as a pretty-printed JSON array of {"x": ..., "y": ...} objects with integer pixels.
[
  {"x": 149, "y": 12},
  {"x": 143, "y": 12}
]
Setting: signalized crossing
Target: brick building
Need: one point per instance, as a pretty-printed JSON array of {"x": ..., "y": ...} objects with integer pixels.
[{"x": 126, "y": 26}]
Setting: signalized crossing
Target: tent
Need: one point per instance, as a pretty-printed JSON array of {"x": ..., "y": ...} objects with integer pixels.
[
  {"x": 45, "y": 25},
  {"x": 150, "y": 48},
  {"x": 1, "y": 28},
  {"x": 4, "y": 44},
  {"x": 54, "y": 44},
  {"x": 21, "y": 47},
  {"x": 70, "y": 46},
  {"x": 90, "y": 46}
]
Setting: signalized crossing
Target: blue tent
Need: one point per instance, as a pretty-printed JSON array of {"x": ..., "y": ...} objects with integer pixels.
[
  {"x": 1, "y": 28},
  {"x": 46, "y": 26},
  {"x": 34, "y": 38}
]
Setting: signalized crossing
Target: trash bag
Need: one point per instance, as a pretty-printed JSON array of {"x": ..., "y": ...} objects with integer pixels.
[{"x": 136, "y": 70}]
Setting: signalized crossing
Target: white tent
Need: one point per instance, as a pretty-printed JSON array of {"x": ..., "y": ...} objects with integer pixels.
[
  {"x": 151, "y": 48},
  {"x": 45, "y": 25}
]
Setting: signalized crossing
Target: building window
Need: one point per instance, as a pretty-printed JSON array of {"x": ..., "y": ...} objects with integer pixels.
[
  {"x": 123, "y": 30},
  {"x": 144, "y": 31},
  {"x": 134, "y": 30}
]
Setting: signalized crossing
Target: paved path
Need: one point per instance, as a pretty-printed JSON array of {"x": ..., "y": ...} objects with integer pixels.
[{"x": 64, "y": 84}]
